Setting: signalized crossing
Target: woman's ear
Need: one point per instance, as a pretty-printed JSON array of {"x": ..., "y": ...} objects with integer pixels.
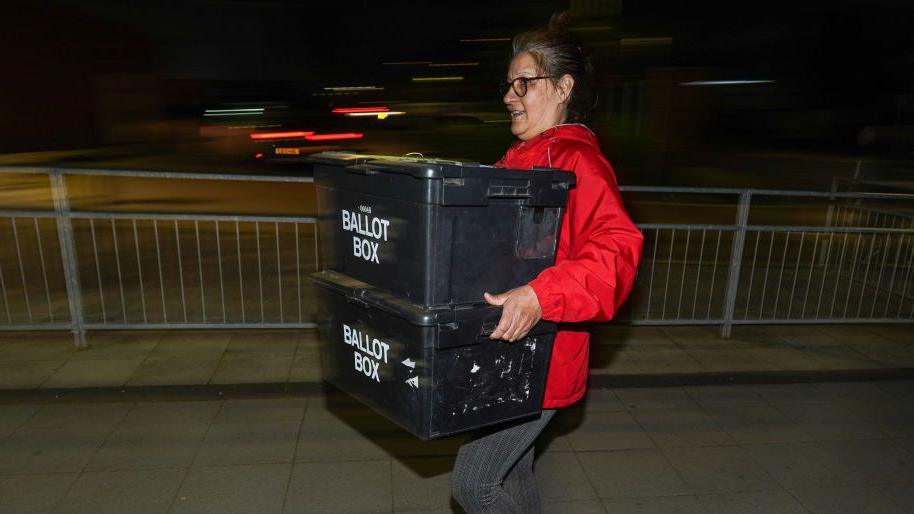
[{"x": 565, "y": 85}]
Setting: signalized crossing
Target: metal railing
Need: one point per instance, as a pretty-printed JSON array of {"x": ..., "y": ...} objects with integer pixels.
[{"x": 96, "y": 269}]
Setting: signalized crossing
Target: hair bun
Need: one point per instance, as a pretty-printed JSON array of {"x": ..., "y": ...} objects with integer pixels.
[{"x": 559, "y": 22}]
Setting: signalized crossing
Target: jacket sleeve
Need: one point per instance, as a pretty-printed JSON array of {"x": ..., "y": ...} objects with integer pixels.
[{"x": 603, "y": 249}]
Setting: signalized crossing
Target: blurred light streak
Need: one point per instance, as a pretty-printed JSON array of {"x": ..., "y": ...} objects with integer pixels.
[
  {"x": 724, "y": 82},
  {"x": 349, "y": 110},
  {"x": 353, "y": 88},
  {"x": 381, "y": 115},
  {"x": 335, "y": 136},
  {"x": 447, "y": 64},
  {"x": 280, "y": 135},
  {"x": 257, "y": 109},
  {"x": 258, "y": 156},
  {"x": 485, "y": 40},
  {"x": 436, "y": 79}
]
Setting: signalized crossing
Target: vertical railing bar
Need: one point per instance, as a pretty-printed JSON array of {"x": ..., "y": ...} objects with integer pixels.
[
  {"x": 139, "y": 269},
  {"x": 317, "y": 264},
  {"x": 259, "y": 269},
  {"x": 812, "y": 266},
  {"x": 98, "y": 271},
  {"x": 221, "y": 280},
  {"x": 777, "y": 294},
  {"x": 885, "y": 254},
  {"x": 866, "y": 274},
  {"x": 297, "y": 273},
  {"x": 850, "y": 282},
  {"x": 685, "y": 259},
  {"x": 669, "y": 265},
  {"x": 155, "y": 229},
  {"x": 761, "y": 311},
  {"x": 831, "y": 242},
  {"x": 831, "y": 310},
  {"x": 25, "y": 290},
  {"x": 69, "y": 258},
  {"x": 736, "y": 261},
  {"x": 701, "y": 253},
  {"x": 200, "y": 269},
  {"x": 120, "y": 278},
  {"x": 758, "y": 236},
  {"x": 240, "y": 274},
  {"x": 180, "y": 271},
  {"x": 279, "y": 272},
  {"x": 6, "y": 303},
  {"x": 906, "y": 279},
  {"x": 44, "y": 272},
  {"x": 888, "y": 301},
  {"x": 714, "y": 272},
  {"x": 650, "y": 287},
  {"x": 796, "y": 275}
]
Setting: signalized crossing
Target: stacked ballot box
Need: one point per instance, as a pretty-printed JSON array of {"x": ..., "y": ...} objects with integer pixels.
[{"x": 407, "y": 249}]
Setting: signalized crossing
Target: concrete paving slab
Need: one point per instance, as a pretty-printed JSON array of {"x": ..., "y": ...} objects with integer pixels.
[
  {"x": 149, "y": 447},
  {"x": 130, "y": 346},
  {"x": 171, "y": 413},
  {"x": 50, "y": 450},
  {"x": 421, "y": 484},
  {"x": 755, "y": 502},
  {"x": 30, "y": 374},
  {"x": 14, "y": 416},
  {"x": 34, "y": 493},
  {"x": 117, "y": 492},
  {"x": 827, "y": 421},
  {"x": 325, "y": 437},
  {"x": 669, "y": 428},
  {"x": 609, "y": 431},
  {"x": 200, "y": 345},
  {"x": 765, "y": 424},
  {"x": 71, "y": 415},
  {"x": 340, "y": 487},
  {"x": 249, "y": 368},
  {"x": 632, "y": 473},
  {"x": 233, "y": 489},
  {"x": 257, "y": 343},
  {"x": 798, "y": 465},
  {"x": 869, "y": 461},
  {"x": 574, "y": 507},
  {"x": 718, "y": 469},
  {"x": 685, "y": 504},
  {"x": 93, "y": 373},
  {"x": 601, "y": 400},
  {"x": 36, "y": 348},
  {"x": 561, "y": 478},
  {"x": 157, "y": 370},
  {"x": 265, "y": 442},
  {"x": 847, "y": 500},
  {"x": 262, "y": 410},
  {"x": 656, "y": 398},
  {"x": 726, "y": 396}
]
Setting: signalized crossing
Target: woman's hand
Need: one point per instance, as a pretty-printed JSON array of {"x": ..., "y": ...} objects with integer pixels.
[{"x": 520, "y": 311}]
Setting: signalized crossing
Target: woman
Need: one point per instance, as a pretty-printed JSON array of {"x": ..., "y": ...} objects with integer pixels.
[{"x": 549, "y": 93}]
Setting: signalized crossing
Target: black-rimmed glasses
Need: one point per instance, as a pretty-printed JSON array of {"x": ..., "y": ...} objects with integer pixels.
[{"x": 519, "y": 85}]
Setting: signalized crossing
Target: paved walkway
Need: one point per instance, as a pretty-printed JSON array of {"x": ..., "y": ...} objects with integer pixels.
[
  {"x": 621, "y": 355},
  {"x": 828, "y": 448},
  {"x": 210, "y": 445}
]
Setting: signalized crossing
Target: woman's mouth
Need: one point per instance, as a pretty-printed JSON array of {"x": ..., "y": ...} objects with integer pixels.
[{"x": 517, "y": 114}]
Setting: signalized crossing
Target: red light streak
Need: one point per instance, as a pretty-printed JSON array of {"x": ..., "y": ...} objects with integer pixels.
[
  {"x": 345, "y": 110},
  {"x": 280, "y": 135},
  {"x": 336, "y": 136},
  {"x": 258, "y": 156}
]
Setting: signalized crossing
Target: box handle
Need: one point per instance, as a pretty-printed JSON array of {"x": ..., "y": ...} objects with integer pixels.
[
  {"x": 356, "y": 301},
  {"x": 361, "y": 169},
  {"x": 488, "y": 328}
]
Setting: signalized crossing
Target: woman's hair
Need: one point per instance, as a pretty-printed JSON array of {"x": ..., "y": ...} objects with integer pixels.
[{"x": 557, "y": 53}]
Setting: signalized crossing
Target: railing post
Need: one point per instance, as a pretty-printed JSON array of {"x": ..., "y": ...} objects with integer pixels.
[
  {"x": 736, "y": 260},
  {"x": 68, "y": 255}
]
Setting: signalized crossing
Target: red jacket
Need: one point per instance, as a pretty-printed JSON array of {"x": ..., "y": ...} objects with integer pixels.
[{"x": 598, "y": 252}]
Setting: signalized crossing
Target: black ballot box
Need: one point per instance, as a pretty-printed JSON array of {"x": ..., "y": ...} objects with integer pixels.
[
  {"x": 436, "y": 232},
  {"x": 432, "y": 370}
]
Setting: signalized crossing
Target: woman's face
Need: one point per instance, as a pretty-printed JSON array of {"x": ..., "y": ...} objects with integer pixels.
[{"x": 542, "y": 107}]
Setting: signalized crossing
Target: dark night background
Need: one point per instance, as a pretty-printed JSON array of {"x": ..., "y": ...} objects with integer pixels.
[{"x": 100, "y": 74}]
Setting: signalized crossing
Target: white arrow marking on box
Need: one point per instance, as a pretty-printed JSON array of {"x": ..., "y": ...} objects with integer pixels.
[
  {"x": 409, "y": 363},
  {"x": 414, "y": 381}
]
